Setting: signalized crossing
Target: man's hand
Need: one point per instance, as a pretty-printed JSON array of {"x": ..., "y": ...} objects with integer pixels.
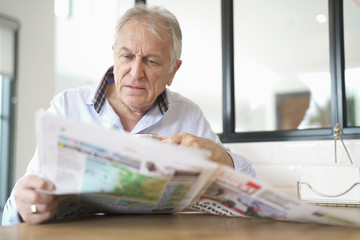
[
  {"x": 218, "y": 154},
  {"x": 26, "y": 195}
]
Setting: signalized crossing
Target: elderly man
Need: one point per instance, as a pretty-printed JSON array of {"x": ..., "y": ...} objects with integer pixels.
[{"x": 131, "y": 97}]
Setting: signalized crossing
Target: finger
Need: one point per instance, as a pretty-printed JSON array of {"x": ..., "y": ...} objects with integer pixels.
[
  {"x": 43, "y": 211},
  {"x": 49, "y": 207},
  {"x": 35, "y": 182},
  {"x": 162, "y": 138},
  {"x": 25, "y": 192},
  {"x": 25, "y": 198},
  {"x": 40, "y": 216},
  {"x": 194, "y": 142},
  {"x": 177, "y": 138},
  {"x": 32, "y": 196},
  {"x": 173, "y": 140},
  {"x": 189, "y": 140}
]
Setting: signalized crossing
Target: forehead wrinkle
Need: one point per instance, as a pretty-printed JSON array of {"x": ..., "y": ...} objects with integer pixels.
[{"x": 140, "y": 27}]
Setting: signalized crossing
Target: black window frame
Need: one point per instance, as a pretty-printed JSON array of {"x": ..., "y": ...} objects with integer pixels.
[{"x": 338, "y": 94}]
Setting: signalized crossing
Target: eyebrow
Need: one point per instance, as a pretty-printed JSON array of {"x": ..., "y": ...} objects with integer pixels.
[{"x": 125, "y": 49}]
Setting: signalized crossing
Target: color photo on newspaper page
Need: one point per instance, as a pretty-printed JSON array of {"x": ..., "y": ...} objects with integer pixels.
[{"x": 236, "y": 194}]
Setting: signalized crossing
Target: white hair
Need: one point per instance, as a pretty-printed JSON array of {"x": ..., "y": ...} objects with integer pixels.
[{"x": 158, "y": 20}]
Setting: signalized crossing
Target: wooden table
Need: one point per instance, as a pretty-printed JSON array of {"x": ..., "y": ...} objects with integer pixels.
[{"x": 176, "y": 226}]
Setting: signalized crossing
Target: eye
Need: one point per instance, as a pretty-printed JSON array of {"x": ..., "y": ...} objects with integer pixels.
[
  {"x": 126, "y": 56},
  {"x": 151, "y": 62}
]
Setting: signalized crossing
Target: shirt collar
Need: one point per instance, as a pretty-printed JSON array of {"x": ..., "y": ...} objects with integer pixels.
[{"x": 100, "y": 94}]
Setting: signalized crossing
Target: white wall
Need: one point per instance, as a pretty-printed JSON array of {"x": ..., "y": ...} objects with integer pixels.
[
  {"x": 280, "y": 163},
  {"x": 35, "y": 86}
]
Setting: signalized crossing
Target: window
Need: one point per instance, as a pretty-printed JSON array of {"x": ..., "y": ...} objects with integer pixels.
[
  {"x": 282, "y": 75},
  {"x": 84, "y": 28},
  {"x": 8, "y": 33},
  {"x": 285, "y": 77}
]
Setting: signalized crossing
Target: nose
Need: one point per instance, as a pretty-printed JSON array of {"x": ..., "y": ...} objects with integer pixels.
[{"x": 137, "y": 69}]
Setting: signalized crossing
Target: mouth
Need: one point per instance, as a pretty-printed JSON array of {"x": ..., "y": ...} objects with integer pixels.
[{"x": 134, "y": 87}]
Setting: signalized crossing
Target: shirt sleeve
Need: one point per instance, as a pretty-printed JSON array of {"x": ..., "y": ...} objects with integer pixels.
[
  {"x": 10, "y": 214},
  {"x": 242, "y": 164},
  {"x": 203, "y": 129}
]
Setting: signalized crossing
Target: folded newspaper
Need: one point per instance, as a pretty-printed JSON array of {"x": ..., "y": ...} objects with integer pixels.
[{"x": 99, "y": 170}]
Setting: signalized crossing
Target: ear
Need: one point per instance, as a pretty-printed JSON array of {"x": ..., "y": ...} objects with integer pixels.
[{"x": 172, "y": 73}]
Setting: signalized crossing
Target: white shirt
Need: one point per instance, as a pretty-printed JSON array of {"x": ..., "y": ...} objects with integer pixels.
[{"x": 182, "y": 115}]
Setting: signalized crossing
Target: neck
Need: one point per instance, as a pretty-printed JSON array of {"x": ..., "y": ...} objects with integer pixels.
[
  {"x": 128, "y": 117},
  {"x": 130, "y": 112}
]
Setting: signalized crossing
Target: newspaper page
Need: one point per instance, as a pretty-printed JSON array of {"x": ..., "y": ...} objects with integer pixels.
[
  {"x": 236, "y": 194},
  {"x": 102, "y": 170},
  {"x": 98, "y": 170}
]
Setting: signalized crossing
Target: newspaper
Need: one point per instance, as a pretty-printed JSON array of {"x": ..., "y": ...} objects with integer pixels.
[{"x": 98, "y": 170}]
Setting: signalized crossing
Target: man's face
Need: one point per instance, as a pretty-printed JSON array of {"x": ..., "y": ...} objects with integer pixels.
[{"x": 141, "y": 67}]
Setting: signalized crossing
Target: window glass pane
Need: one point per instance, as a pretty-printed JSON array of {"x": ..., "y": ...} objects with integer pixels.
[
  {"x": 352, "y": 62},
  {"x": 83, "y": 40},
  {"x": 200, "y": 76},
  {"x": 282, "y": 78},
  {"x": 4, "y": 141}
]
